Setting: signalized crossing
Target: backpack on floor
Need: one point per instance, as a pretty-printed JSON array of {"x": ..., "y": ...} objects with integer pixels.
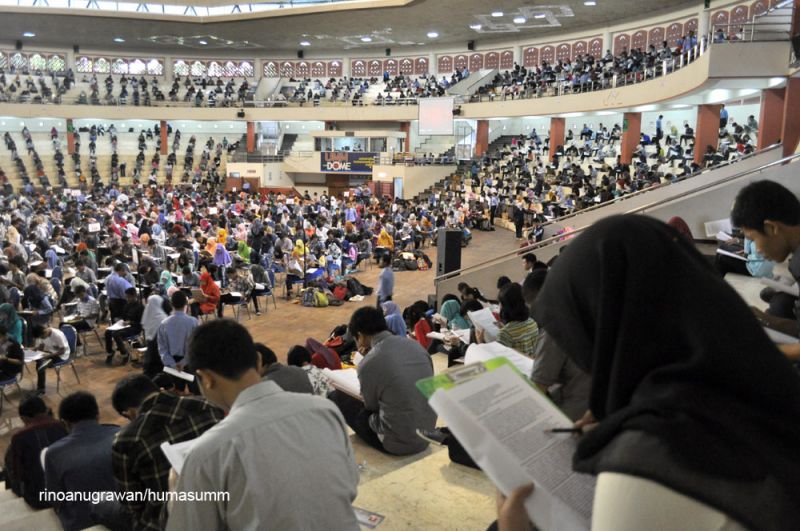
[
  {"x": 320, "y": 299},
  {"x": 308, "y": 298}
]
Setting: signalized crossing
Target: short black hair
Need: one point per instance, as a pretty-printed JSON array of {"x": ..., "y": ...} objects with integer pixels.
[
  {"x": 131, "y": 291},
  {"x": 164, "y": 381},
  {"x": 223, "y": 346},
  {"x": 131, "y": 392},
  {"x": 212, "y": 269},
  {"x": 512, "y": 305},
  {"x": 368, "y": 321},
  {"x": 178, "y": 300},
  {"x": 119, "y": 267},
  {"x": 530, "y": 258},
  {"x": 37, "y": 330},
  {"x": 765, "y": 200},
  {"x": 503, "y": 281},
  {"x": 298, "y": 356},
  {"x": 268, "y": 356},
  {"x": 470, "y": 306},
  {"x": 80, "y": 288},
  {"x": 31, "y": 406},
  {"x": 533, "y": 283},
  {"x": 77, "y": 407},
  {"x": 186, "y": 270},
  {"x": 386, "y": 260}
]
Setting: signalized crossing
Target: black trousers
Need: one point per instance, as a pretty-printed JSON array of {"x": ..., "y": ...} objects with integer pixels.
[
  {"x": 226, "y": 298},
  {"x": 152, "y": 360},
  {"x": 492, "y": 214},
  {"x": 726, "y": 264},
  {"x": 116, "y": 307},
  {"x": 118, "y": 337},
  {"x": 357, "y": 417}
]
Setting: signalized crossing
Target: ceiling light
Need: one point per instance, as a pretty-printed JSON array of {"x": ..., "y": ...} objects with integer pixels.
[
  {"x": 590, "y": 3},
  {"x": 366, "y": 39},
  {"x": 497, "y": 14},
  {"x": 203, "y": 42},
  {"x": 29, "y": 34},
  {"x": 539, "y": 15},
  {"x": 432, "y": 34},
  {"x": 119, "y": 39},
  {"x": 305, "y": 43},
  {"x": 681, "y": 106},
  {"x": 476, "y": 27},
  {"x": 519, "y": 20}
]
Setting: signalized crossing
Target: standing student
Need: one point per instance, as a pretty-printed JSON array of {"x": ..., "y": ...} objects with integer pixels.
[
  {"x": 284, "y": 459},
  {"x": 174, "y": 332},
  {"x": 116, "y": 285},
  {"x": 385, "y": 280},
  {"x": 696, "y": 409}
]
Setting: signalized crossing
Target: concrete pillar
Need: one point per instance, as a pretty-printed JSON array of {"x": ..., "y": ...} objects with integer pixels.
[
  {"x": 631, "y": 129},
  {"x": 164, "y": 129},
  {"x": 608, "y": 44},
  {"x": 791, "y": 110},
  {"x": 70, "y": 137},
  {"x": 707, "y": 131},
  {"x": 703, "y": 22},
  {"x": 251, "y": 137},
  {"x": 557, "y": 134},
  {"x": 770, "y": 118},
  {"x": 405, "y": 127},
  {"x": 482, "y": 137}
]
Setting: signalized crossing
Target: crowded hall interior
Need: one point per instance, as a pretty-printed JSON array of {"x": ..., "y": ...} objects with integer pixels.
[{"x": 400, "y": 265}]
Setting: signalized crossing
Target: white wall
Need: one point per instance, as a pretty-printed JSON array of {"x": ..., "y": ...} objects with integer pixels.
[{"x": 415, "y": 178}]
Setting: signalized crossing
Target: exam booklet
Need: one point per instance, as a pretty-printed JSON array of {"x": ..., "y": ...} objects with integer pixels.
[
  {"x": 345, "y": 380},
  {"x": 484, "y": 320},
  {"x": 176, "y": 453},
  {"x": 503, "y": 421}
]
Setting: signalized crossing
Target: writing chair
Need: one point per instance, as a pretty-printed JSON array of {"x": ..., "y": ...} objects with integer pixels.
[
  {"x": 5, "y": 383},
  {"x": 72, "y": 340}
]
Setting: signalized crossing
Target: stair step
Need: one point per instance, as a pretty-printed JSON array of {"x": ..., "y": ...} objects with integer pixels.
[{"x": 44, "y": 520}]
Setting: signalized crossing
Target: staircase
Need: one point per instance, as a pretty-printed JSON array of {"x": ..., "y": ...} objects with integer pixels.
[
  {"x": 774, "y": 25},
  {"x": 19, "y": 516},
  {"x": 287, "y": 143}
]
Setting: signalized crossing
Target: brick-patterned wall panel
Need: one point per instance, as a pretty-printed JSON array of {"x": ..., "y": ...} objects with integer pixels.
[
  {"x": 739, "y": 16},
  {"x": 548, "y": 54},
  {"x": 460, "y": 62},
  {"x": 358, "y": 68},
  {"x": 390, "y": 65},
  {"x": 444, "y": 64},
  {"x": 272, "y": 69},
  {"x": 530, "y": 57},
  {"x": 674, "y": 32},
  {"x": 319, "y": 69},
  {"x": 406, "y": 66},
  {"x": 579, "y": 48},
  {"x": 335, "y": 69},
  {"x": 375, "y": 67},
  {"x": 491, "y": 60},
  {"x": 759, "y": 7},
  {"x": 287, "y": 69},
  {"x": 421, "y": 66},
  {"x": 475, "y": 62},
  {"x": 507, "y": 60},
  {"x": 656, "y": 37},
  {"x": 596, "y": 47},
  {"x": 302, "y": 69},
  {"x": 639, "y": 40},
  {"x": 690, "y": 26},
  {"x": 563, "y": 52},
  {"x": 622, "y": 42},
  {"x": 721, "y": 19}
]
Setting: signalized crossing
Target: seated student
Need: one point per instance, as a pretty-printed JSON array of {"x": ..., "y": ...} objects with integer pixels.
[
  {"x": 754, "y": 265},
  {"x": 292, "y": 379},
  {"x": 12, "y": 359},
  {"x": 554, "y": 372},
  {"x": 132, "y": 315},
  {"x": 284, "y": 457},
  {"x": 23, "y": 464},
  {"x": 156, "y": 417},
  {"x": 211, "y": 293},
  {"x": 393, "y": 408},
  {"x": 394, "y": 319},
  {"x": 81, "y": 461},
  {"x": 53, "y": 343},
  {"x": 696, "y": 409},
  {"x": 518, "y": 330},
  {"x": 189, "y": 279},
  {"x": 769, "y": 215},
  {"x": 87, "y": 311},
  {"x": 240, "y": 281},
  {"x": 299, "y": 356}
]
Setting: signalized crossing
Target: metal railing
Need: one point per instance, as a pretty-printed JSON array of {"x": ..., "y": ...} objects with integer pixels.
[{"x": 639, "y": 209}]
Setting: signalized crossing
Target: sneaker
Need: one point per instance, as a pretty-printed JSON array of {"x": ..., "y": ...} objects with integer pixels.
[
  {"x": 258, "y": 314},
  {"x": 109, "y": 359},
  {"x": 436, "y": 436},
  {"x": 46, "y": 364}
]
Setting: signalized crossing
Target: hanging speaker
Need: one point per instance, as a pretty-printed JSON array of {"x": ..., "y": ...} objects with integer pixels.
[
  {"x": 300, "y": 54},
  {"x": 76, "y": 48},
  {"x": 388, "y": 52},
  {"x": 471, "y": 46},
  {"x": 18, "y": 45}
]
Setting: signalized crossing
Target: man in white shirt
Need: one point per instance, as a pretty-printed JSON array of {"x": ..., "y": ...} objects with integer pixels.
[
  {"x": 53, "y": 343},
  {"x": 284, "y": 459}
]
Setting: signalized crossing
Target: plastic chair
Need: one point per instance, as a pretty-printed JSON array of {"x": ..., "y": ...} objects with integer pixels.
[
  {"x": 72, "y": 340},
  {"x": 5, "y": 383}
]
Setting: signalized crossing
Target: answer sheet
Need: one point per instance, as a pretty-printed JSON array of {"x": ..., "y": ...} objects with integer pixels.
[{"x": 502, "y": 421}]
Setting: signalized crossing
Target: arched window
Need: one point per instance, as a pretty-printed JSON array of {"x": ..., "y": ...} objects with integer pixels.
[
  {"x": 154, "y": 67},
  {"x": 475, "y": 62},
  {"x": 3, "y": 61},
  {"x": 507, "y": 60},
  {"x": 596, "y": 47},
  {"x": 406, "y": 67},
  {"x": 215, "y": 69},
  {"x": 421, "y": 66},
  {"x": 119, "y": 66},
  {"x": 230, "y": 70},
  {"x": 56, "y": 63},
  {"x": 37, "y": 62},
  {"x": 246, "y": 69},
  {"x": 639, "y": 40},
  {"x": 390, "y": 65},
  {"x": 460, "y": 62},
  {"x": 335, "y": 69},
  {"x": 198, "y": 69},
  {"x": 318, "y": 69},
  {"x": 84, "y": 65},
  {"x": 302, "y": 69},
  {"x": 271, "y": 69},
  {"x": 19, "y": 61},
  {"x": 180, "y": 68},
  {"x": 358, "y": 68},
  {"x": 137, "y": 67},
  {"x": 530, "y": 57},
  {"x": 375, "y": 68},
  {"x": 287, "y": 69}
]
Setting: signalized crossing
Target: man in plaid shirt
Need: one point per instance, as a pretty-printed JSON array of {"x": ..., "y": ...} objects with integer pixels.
[{"x": 138, "y": 462}]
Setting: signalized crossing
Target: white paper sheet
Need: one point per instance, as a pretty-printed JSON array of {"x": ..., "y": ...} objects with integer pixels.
[
  {"x": 176, "y": 453},
  {"x": 345, "y": 380}
]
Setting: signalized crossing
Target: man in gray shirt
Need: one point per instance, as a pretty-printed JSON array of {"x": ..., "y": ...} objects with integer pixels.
[
  {"x": 392, "y": 409},
  {"x": 284, "y": 459}
]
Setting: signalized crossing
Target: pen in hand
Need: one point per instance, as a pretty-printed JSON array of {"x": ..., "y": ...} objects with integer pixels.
[{"x": 564, "y": 430}]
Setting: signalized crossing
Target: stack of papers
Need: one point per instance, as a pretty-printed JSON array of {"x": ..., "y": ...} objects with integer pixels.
[
  {"x": 179, "y": 374},
  {"x": 345, "y": 380},
  {"x": 487, "y": 351},
  {"x": 484, "y": 320},
  {"x": 119, "y": 325},
  {"x": 176, "y": 453}
]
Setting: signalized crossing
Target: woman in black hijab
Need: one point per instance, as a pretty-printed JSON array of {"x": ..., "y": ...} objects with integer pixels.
[{"x": 690, "y": 395}]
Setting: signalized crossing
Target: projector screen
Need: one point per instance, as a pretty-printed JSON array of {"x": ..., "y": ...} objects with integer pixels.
[{"x": 436, "y": 116}]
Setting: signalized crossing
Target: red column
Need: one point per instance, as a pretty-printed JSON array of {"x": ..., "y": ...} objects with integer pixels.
[
  {"x": 164, "y": 139},
  {"x": 251, "y": 137},
  {"x": 405, "y": 127},
  {"x": 791, "y": 111},
  {"x": 70, "y": 137},
  {"x": 482, "y": 138},
  {"x": 707, "y": 131},
  {"x": 631, "y": 129},
  {"x": 770, "y": 117},
  {"x": 558, "y": 128}
]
